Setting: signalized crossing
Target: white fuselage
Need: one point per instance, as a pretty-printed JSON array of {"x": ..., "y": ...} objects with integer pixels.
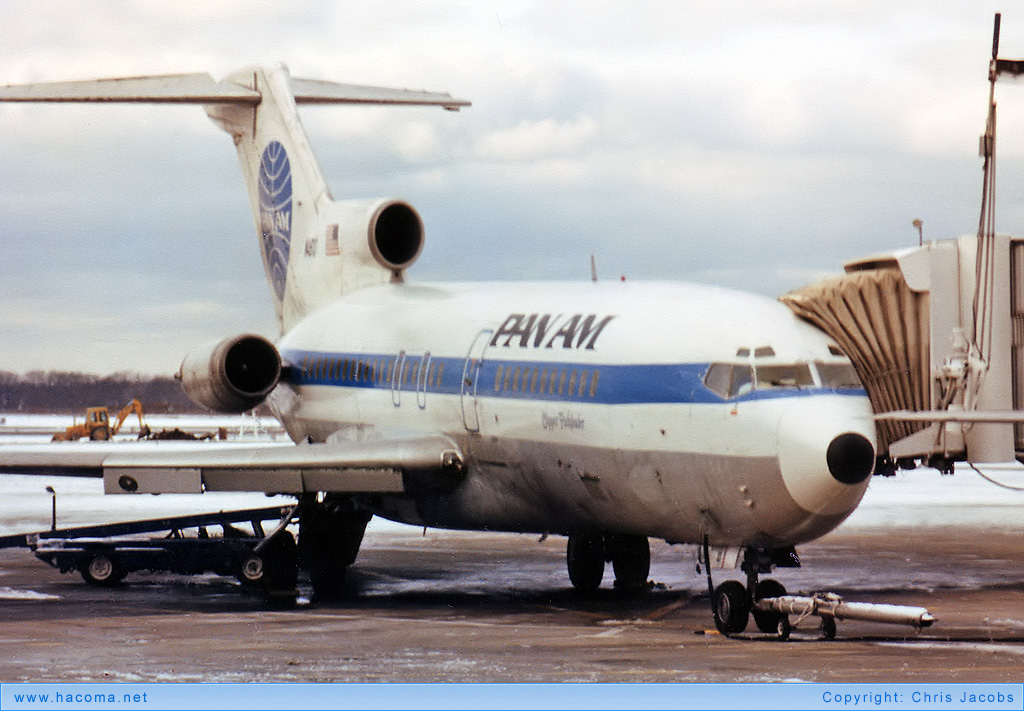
[{"x": 584, "y": 407}]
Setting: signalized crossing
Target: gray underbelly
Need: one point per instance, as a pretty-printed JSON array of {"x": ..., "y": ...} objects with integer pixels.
[{"x": 527, "y": 486}]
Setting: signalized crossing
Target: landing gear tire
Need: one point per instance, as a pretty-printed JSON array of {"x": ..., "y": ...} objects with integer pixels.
[
  {"x": 584, "y": 555},
  {"x": 631, "y": 560},
  {"x": 731, "y": 606},
  {"x": 251, "y": 571},
  {"x": 784, "y": 628},
  {"x": 101, "y": 568},
  {"x": 769, "y": 622}
]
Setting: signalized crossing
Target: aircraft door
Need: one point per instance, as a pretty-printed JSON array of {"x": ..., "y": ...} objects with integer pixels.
[
  {"x": 396, "y": 379},
  {"x": 421, "y": 380},
  {"x": 471, "y": 378}
]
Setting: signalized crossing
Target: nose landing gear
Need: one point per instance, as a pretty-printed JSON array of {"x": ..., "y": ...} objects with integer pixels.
[
  {"x": 770, "y": 621},
  {"x": 732, "y": 603}
]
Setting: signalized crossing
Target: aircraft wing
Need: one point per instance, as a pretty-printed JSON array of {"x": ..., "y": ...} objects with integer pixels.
[{"x": 375, "y": 466}]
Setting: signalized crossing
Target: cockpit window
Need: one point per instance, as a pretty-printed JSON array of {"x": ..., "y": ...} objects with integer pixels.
[
  {"x": 717, "y": 378},
  {"x": 797, "y": 375},
  {"x": 838, "y": 375},
  {"x": 742, "y": 380},
  {"x": 729, "y": 380}
]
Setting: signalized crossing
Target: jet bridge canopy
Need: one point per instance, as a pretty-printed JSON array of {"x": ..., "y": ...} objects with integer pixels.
[{"x": 882, "y": 325}]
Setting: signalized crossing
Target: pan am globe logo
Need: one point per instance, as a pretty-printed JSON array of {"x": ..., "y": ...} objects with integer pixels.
[{"x": 275, "y": 192}]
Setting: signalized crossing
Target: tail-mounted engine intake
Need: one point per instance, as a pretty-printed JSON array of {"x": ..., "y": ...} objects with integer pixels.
[
  {"x": 396, "y": 235},
  {"x": 233, "y": 375},
  {"x": 378, "y": 239}
]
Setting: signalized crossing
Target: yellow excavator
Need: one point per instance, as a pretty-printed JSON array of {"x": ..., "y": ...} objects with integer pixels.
[{"x": 97, "y": 425}]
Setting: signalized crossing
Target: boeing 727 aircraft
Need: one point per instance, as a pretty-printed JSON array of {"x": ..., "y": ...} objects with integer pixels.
[{"x": 608, "y": 413}]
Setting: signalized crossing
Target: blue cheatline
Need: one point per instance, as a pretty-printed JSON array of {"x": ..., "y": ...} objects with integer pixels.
[{"x": 549, "y": 381}]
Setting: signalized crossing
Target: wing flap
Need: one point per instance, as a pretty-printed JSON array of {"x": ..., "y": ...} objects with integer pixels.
[
  {"x": 349, "y": 480},
  {"x": 192, "y": 480}
]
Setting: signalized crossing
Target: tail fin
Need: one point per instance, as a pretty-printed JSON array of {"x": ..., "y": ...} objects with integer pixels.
[
  {"x": 313, "y": 247},
  {"x": 286, "y": 187}
]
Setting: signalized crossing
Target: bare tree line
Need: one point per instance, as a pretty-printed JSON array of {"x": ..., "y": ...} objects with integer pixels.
[{"x": 61, "y": 392}]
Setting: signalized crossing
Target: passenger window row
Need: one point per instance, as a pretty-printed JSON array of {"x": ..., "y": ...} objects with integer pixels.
[
  {"x": 551, "y": 381},
  {"x": 359, "y": 370},
  {"x": 374, "y": 370},
  {"x": 423, "y": 372}
]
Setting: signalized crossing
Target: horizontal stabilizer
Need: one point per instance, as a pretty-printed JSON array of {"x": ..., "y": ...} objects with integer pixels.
[
  {"x": 171, "y": 89},
  {"x": 204, "y": 89},
  {"x": 313, "y": 91}
]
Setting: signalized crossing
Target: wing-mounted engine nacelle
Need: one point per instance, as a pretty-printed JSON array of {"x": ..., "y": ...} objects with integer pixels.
[
  {"x": 233, "y": 375},
  {"x": 378, "y": 233}
]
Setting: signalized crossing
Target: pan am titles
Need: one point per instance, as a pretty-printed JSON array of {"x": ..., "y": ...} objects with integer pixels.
[{"x": 550, "y": 331}]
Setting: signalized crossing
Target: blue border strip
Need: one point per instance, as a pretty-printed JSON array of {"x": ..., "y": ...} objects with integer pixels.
[
  {"x": 681, "y": 383},
  {"x": 500, "y": 697}
]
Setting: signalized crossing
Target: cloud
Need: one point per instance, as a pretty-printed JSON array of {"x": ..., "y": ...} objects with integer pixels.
[
  {"x": 536, "y": 140},
  {"x": 750, "y": 144}
]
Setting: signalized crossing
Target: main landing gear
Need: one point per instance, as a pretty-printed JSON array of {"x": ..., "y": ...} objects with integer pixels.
[
  {"x": 330, "y": 532},
  {"x": 587, "y": 553},
  {"x": 331, "y": 529}
]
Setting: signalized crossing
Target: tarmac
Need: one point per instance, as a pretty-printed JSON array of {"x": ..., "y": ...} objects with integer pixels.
[{"x": 441, "y": 606}]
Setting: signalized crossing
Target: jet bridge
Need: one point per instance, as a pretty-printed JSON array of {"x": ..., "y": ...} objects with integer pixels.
[{"x": 936, "y": 334}]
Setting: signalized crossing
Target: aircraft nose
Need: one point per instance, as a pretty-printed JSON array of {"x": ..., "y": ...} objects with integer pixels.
[
  {"x": 826, "y": 456},
  {"x": 850, "y": 458}
]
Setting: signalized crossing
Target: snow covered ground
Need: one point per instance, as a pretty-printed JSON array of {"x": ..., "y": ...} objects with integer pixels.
[
  {"x": 926, "y": 498},
  {"x": 39, "y": 428}
]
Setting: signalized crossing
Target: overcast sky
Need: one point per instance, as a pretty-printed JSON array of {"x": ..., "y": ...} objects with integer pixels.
[{"x": 755, "y": 144}]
